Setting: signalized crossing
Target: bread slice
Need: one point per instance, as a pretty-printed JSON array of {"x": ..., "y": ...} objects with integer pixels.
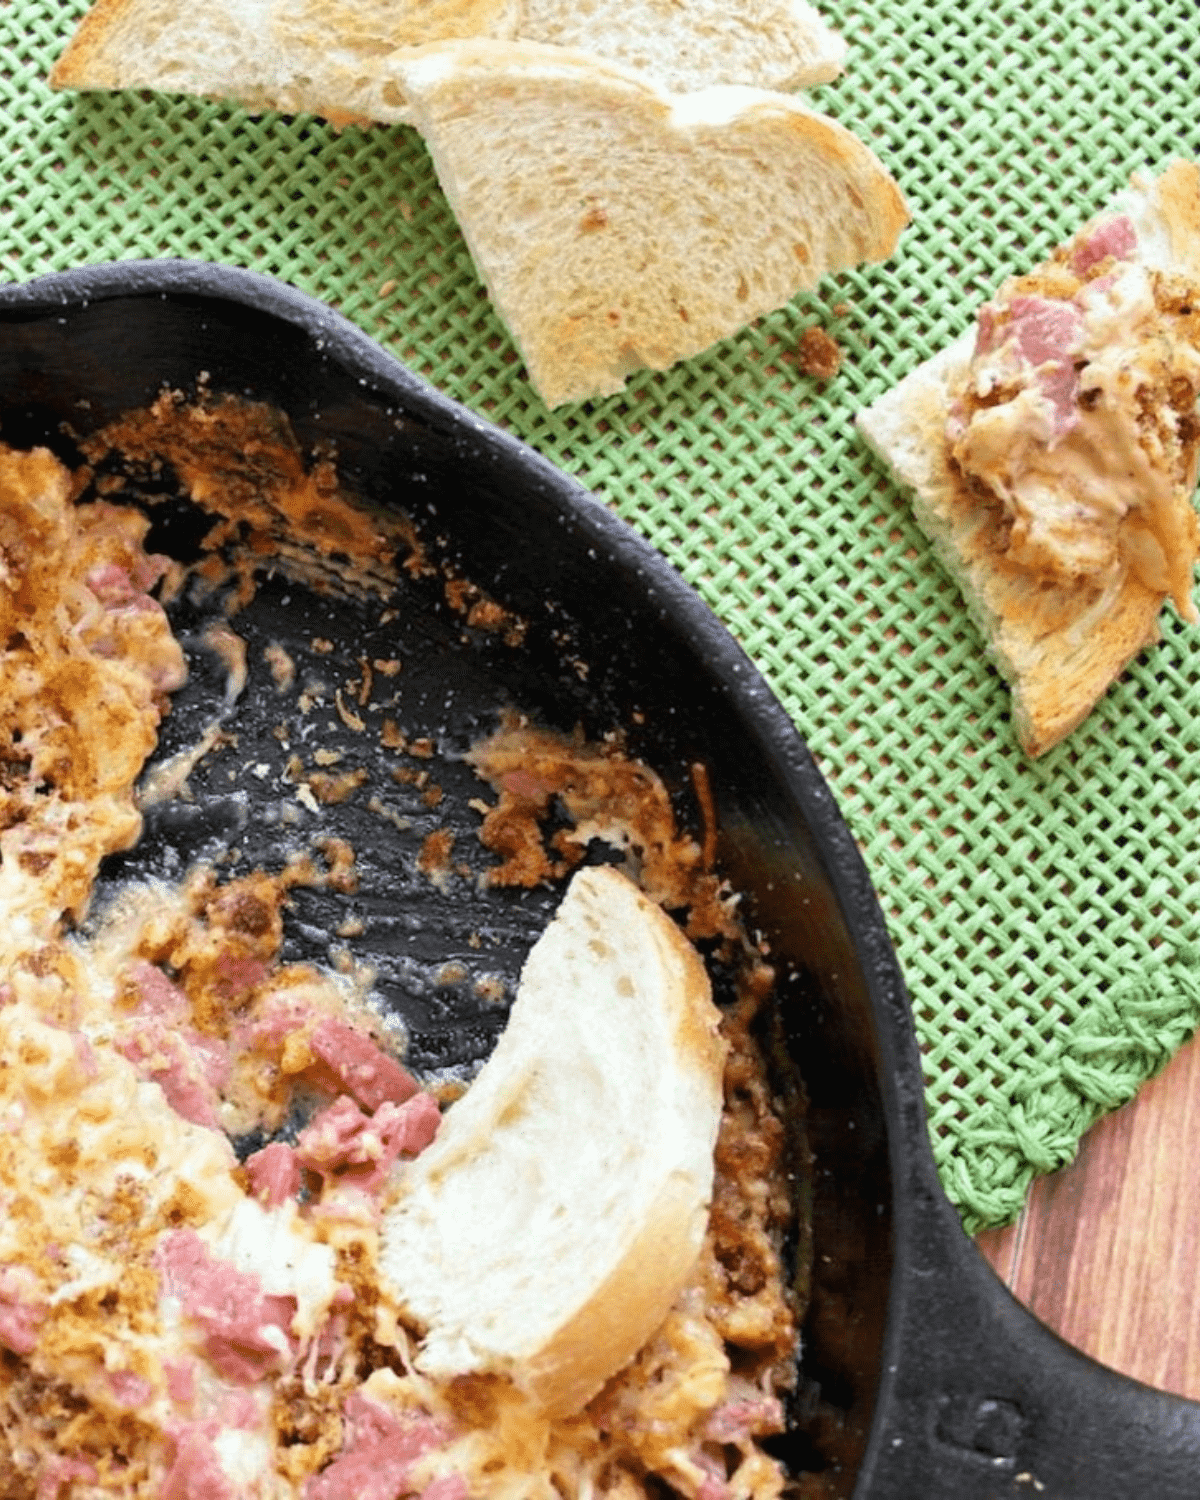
[
  {"x": 1060, "y": 640},
  {"x": 547, "y": 1230},
  {"x": 684, "y": 45},
  {"x": 324, "y": 56},
  {"x": 294, "y": 56},
  {"x": 619, "y": 227}
]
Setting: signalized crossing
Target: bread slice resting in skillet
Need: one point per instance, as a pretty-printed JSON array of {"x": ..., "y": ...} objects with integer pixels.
[
  {"x": 550, "y": 1226},
  {"x": 324, "y": 57},
  {"x": 1051, "y": 453}
]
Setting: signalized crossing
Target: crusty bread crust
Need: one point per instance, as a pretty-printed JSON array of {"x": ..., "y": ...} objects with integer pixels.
[
  {"x": 314, "y": 56},
  {"x": 86, "y": 62},
  {"x": 1059, "y": 646},
  {"x": 548, "y": 1229}
]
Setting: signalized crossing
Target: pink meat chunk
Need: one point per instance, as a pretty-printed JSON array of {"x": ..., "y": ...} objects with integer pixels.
[
  {"x": 359, "y": 1067},
  {"x": 116, "y": 586},
  {"x": 1116, "y": 237},
  {"x": 274, "y": 1021},
  {"x": 346, "y": 1145},
  {"x": 156, "y": 994},
  {"x": 1059, "y": 383},
  {"x": 196, "y": 1472},
  {"x": 246, "y": 1331},
  {"x": 129, "y": 1390},
  {"x": 1045, "y": 329},
  {"x": 449, "y": 1487},
  {"x": 188, "y": 1067},
  {"x": 236, "y": 974},
  {"x": 59, "y": 1472},
  {"x": 739, "y": 1419},
  {"x": 181, "y": 1380},
  {"x": 238, "y": 1409},
  {"x": 274, "y": 1173},
  {"x": 112, "y": 585},
  {"x": 1046, "y": 334},
  {"x": 380, "y": 1449},
  {"x": 22, "y": 1309}
]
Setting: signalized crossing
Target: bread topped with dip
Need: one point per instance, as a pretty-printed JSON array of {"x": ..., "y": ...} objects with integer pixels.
[{"x": 1051, "y": 453}]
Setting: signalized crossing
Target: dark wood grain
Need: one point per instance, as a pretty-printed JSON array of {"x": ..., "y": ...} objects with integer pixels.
[{"x": 1107, "y": 1250}]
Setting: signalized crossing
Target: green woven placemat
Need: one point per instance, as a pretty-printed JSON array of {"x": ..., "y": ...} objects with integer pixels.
[{"x": 1045, "y": 914}]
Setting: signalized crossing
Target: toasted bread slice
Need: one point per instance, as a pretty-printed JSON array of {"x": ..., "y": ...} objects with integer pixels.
[
  {"x": 547, "y": 1230},
  {"x": 619, "y": 227},
  {"x": 312, "y": 56},
  {"x": 1059, "y": 639},
  {"x": 684, "y": 45},
  {"x": 324, "y": 56}
]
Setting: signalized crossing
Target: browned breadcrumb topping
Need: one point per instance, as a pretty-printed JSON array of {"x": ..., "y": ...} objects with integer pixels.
[
  {"x": 605, "y": 794},
  {"x": 240, "y": 460},
  {"x": 283, "y": 668},
  {"x": 83, "y": 686},
  {"x": 481, "y": 612},
  {"x": 331, "y": 790},
  {"x": 434, "y": 859}
]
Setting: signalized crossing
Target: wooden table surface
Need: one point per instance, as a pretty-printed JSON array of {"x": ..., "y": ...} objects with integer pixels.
[{"x": 1107, "y": 1250}]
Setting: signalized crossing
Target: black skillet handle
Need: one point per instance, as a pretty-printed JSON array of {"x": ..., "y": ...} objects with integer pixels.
[{"x": 979, "y": 1399}]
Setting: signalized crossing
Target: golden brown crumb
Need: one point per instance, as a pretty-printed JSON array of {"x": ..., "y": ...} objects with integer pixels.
[
  {"x": 818, "y": 355},
  {"x": 347, "y": 715},
  {"x": 330, "y": 790},
  {"x": 283, "y": 668},
  {"x": 537, "y": 773},
  {"x": 434, "y": 859}
]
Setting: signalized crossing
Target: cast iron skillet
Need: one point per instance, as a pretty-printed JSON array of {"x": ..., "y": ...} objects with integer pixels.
[{"x": 922, "y": 1377}]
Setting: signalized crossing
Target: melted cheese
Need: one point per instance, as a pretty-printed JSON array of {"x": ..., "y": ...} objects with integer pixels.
[{"x": 1081, "y": 443}]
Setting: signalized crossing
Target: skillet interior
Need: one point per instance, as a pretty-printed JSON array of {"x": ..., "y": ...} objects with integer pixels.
[{"x": 79, "y": 350}]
